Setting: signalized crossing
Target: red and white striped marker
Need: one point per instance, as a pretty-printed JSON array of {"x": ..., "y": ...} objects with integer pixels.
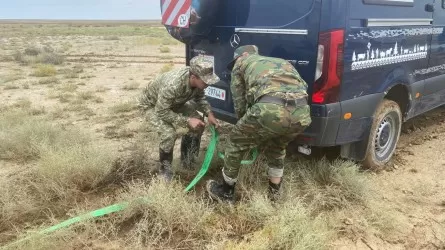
[{"x": 176, "y": 12}]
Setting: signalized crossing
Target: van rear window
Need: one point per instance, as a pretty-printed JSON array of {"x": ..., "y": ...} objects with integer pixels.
[{"x": 267, "y": 13}]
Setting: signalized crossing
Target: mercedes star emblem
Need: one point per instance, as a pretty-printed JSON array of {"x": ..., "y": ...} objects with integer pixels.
[{"x": 234, "y": 41}]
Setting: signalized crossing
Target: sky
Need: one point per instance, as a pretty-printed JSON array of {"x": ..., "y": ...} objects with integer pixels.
[{"x": 80, "y": 9}]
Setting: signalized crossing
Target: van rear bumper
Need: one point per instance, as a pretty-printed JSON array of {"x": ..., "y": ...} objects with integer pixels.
[
  {"x": 321, "y": 132},
  {"x": 332, "y": 131},
  {"x": 324, "y": 126},
  {"x": 328, "y": 128}
]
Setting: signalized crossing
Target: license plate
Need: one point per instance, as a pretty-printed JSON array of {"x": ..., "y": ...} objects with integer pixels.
[
  {"x": 215, "y": 93},
  {"x": 304, "y": 150}
]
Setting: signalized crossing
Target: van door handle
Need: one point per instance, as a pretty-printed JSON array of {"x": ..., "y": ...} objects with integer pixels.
[{"x": 429, "y": 7}]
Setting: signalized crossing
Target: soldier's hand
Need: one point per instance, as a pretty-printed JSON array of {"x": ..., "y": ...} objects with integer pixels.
[
  {"x": 195, "y": 123},
  {"x": 212, "y": 120}
]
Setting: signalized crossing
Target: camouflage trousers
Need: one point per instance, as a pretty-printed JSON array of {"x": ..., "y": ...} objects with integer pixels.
[
  {"x": 271, "y": 127},
  {"x": 167, "y": 132}
]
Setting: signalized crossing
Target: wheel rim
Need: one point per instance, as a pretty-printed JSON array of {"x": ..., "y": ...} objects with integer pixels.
[{"x": 385, "y": 137}]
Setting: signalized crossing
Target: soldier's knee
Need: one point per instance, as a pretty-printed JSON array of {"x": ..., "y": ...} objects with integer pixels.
[{"x": 168, "y": 135}]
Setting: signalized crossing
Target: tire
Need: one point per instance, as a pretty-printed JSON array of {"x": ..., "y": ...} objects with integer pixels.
[{"x": 383, "y": 136}]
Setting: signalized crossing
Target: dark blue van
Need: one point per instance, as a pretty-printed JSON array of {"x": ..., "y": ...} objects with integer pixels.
[{"x": 370, "y": 64}]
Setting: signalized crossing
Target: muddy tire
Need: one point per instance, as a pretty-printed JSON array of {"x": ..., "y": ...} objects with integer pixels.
[{"x": 384, "y": 135}]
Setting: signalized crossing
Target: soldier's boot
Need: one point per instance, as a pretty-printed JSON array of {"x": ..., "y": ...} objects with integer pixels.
[
  {"x": 274, "y": 191},
  {"x": 190, "y": 145},
  {"x": 221, "y": 191},
  {"x": 166, "y": 159}
]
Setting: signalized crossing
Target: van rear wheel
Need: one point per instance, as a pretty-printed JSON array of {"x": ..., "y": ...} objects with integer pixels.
[{"x": 384, "y": 135}]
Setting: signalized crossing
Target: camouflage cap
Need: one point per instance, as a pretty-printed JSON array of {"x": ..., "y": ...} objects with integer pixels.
[
  {"x": 250, "y": 49},
  {"x": 202, "y": 66}
]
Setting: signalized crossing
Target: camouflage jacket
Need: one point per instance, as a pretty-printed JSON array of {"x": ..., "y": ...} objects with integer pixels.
[
  {"x": 169, "y": 91},
  {"x": 255, "y": 75}
]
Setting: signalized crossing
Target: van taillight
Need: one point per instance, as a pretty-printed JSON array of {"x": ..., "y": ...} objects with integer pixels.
[{"x": 329, "y": 67}]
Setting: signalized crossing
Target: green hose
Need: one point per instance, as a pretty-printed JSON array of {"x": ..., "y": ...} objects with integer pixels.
[
  {"x": 94, "y": 214},
  {"x": 121, "y": 206},
  {"x": 245, "y": 162},
  {"x": 209, "y": 156},
  {"x": 207, "y": 159}
]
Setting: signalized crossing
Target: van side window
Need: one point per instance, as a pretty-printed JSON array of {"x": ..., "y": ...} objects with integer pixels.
[
  {"x": 392, "y": 2},
  {"x": 443, "y": 4},
  {"x": 271, "y": 13}
]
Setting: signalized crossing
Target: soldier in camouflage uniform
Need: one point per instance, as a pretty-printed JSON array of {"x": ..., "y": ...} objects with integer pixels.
[
  {"x": 270, "y": 101},
  {"x": 170, "y": 103}
]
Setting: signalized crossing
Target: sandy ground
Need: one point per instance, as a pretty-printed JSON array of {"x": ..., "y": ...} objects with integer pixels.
[{"x": 414, "y": 188}]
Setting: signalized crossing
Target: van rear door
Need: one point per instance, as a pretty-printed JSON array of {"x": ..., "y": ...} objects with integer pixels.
[{"x": 286, "y": 29}]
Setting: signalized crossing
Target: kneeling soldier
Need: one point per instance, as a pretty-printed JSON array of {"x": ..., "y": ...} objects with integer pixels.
[{"x": 170, "y": 103}]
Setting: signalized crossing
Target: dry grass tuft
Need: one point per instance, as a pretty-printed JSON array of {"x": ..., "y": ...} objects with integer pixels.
[
  {"x": 131, "y": 86},
  {"x": 51, "y": 58},
  {"x": 23, "y": 103},
  {"x": 25, "y": 86},
  {"x": 24, "y": 136},
  {"x": 77, "y": 108},
  {"x": 43, "y": 70},
  {"x": 79, "y": 165},
  {"x": 63, "y": 97},
  {"x": 102, "y": 89},
  {"x": 98, "y": 99},
  {"x": 50, "y": 80},
  {"x": 169, "y": 217},
  {"x": 124, "y": 107},
  {"x": 118, "y": 130},
  {"x": 330, "y": 185},
  {"x": 66, "y": 46},
  {"x": 11, "y": 86},
  {"x": 289, "y": 225},
  {"x": 32, "y": 51},
  {"x": 73, "y": 73},
  {"x": 166, "y": 57},
  {"x": 64, "y": 163},
  {"x": 58, "y": 113},
  {"x": 166, "y": 68},
  {"x": 86, "y": 95},
  {"x": 87, "y": 77},
  {"x": 136, "y": 166},
  {"x": 11, "y": 78},
  {"x": 6, "y": 58},
  {"x": 68, "y": 87},
  {"x": 32, "y": 55},
  {"x": 37, "y": 111},
  {"x": 164, "y": 49}
]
